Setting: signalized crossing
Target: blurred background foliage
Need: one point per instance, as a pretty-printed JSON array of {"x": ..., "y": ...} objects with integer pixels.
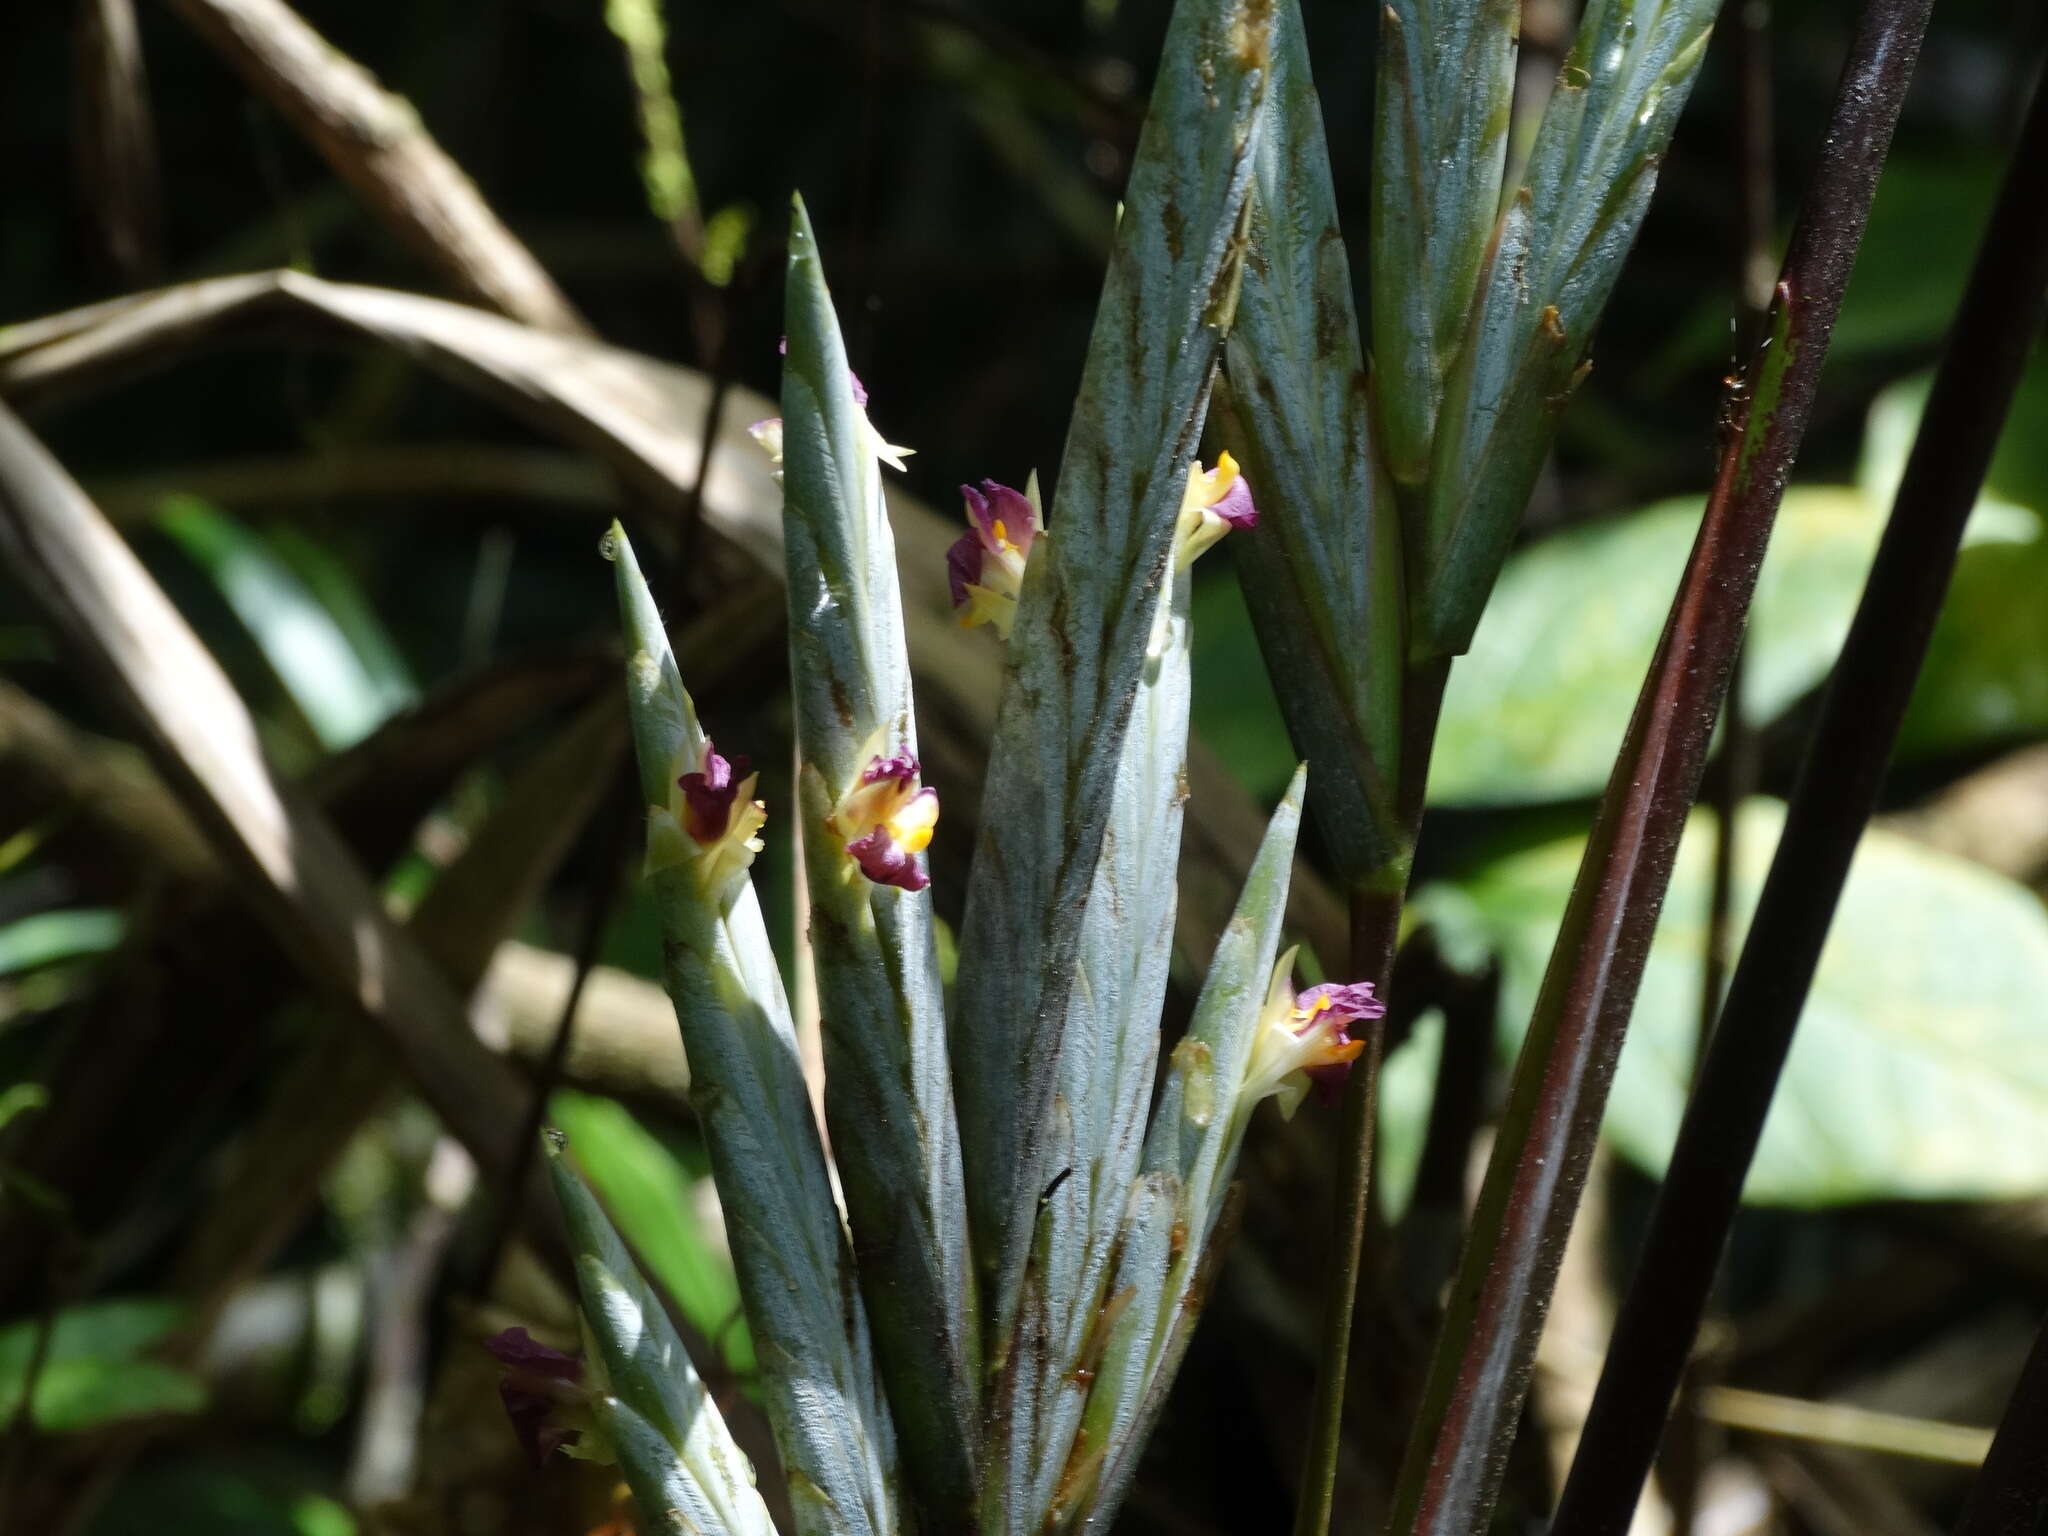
[{"x": 350, "y": 536}]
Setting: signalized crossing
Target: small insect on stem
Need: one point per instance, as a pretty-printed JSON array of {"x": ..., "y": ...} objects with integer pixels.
[
  {"x": 1735, "y": 386},
  {"x": 1057, "y": 1180}
]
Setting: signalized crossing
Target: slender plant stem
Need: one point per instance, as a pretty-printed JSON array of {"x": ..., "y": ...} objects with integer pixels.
[
  {"x": 1375, "y": 929},
  {"x": 1755, "y": 264},
  {"x": 1486, "y": 1347},
  {"x": 1837, "y": 790}
]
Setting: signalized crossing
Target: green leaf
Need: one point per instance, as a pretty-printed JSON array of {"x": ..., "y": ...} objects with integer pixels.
[
  {"x": 651, "y": 1197},
  {"x": 680, "y": 1460},
  {"x": 341, "y": 697},
  {"x": 1536, "y": 709},
  {"x": 1986, "y": 675},
  {"x": 1919, "y": 1070},
  {"x": 1407, "y": 1085},
  {"x": 1322, "y": 570},
  {"x": 1998, "y": 516},
  {"x": 1558, "y": 251},
  {"x": 1234, "y": 712},
  {"x": 1915, "y": 257},
  {"x": 1085, "y": 614},
  {"x": 888, "y": 1094},
  {"x": 21, "y": 1099},
  {"x": 44, "y": 938},
  {"x": 1446, "y": 82},
  {"x": 93, "y": 1373},
  {"x": 747, "y": 1086}
]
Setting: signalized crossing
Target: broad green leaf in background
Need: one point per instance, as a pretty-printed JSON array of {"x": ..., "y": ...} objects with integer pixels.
[
  {"x": 1985, "y": 679},
  {"x": 1085, "y": 614},
  {"x": 342, "y": 697},
  {"x": 1322, "y": 570},
  {"x": 1915, "y": 256},
  {"x": 2009, "y": 509},
  {"x": 654, "y": 1200},
  {"x": 1407, "y": 1085},
  {"x": 44, "y": 938},
  {"x": 1234, "y": 712},
  {"x": 1536, "y": 710},
  {"x": 1910, "y": 268},
  {"x": 888, "y": 1090},
  {"x": 1440, "y": 142},
  {"x": 1559, "y": 249},
  {"x": 1921, "y": 1067},
  {"x": 96, "y": 1371}
]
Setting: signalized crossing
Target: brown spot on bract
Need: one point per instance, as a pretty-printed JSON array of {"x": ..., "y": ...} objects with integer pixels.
[{"x": 1175, "y": 224}]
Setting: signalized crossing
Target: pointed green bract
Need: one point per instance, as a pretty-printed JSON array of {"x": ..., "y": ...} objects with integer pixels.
[
  {"x": 888, "y": 1095},
  {"x": 1085, "y": 613},
  {"x": 1322, "y": 572},
  {"x": 680, "y": 1460},
  {"x": 747, "y": 1088},
  {"x": 1107, "y": 1053},
  {"x": 1446, "y": 83},
  {"x": 1197, "y": 1127},
  {"x": 1560, "y": 246}
]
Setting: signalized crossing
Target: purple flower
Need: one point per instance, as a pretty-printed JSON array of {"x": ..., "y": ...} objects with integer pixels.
[
  {"x": 1303, "y": 1039},
  {"x": 1216, "y": 501},
  {"x": 710, "y": 824},
  {"x": 886, "y": 820},
  {"x": 708, "y": 795},
  {"x": 541, "y": 1388},
  {"x": 985, "y": 566}
]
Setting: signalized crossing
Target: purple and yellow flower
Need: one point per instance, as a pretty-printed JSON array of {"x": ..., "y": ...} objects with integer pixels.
[
  {"x": 711, "y": 822},
  {"x": 986, "y": 564},
  {"x": 767, "y": 432},
  {"x": 545, "y": 1398},
  {"x": 1302, "y": 1038},
  {"x": 886, "y": 820},
  {"x": 1216, "y": 501}
]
